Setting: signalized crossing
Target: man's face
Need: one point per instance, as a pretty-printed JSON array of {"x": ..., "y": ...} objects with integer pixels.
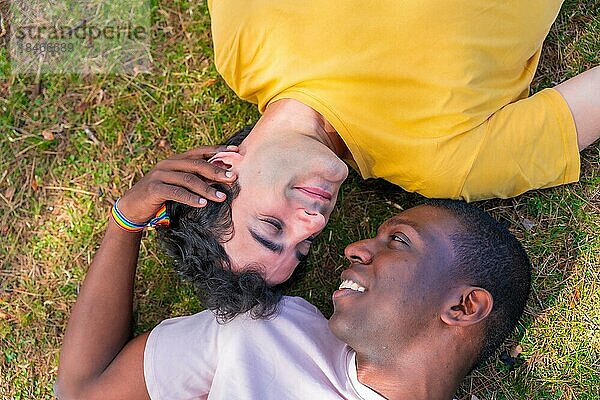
[
  {"x": 289, "y": 186},
  {"x": 393, "y": 291}
]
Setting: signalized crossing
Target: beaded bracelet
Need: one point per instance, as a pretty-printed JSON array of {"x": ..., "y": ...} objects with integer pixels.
[{"x": 161, "y": 218}]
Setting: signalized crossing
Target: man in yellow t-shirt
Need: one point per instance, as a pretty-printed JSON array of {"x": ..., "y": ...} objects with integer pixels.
[
  {"x": 431, "y": 95},
  {"x": 419, "y": 91}
]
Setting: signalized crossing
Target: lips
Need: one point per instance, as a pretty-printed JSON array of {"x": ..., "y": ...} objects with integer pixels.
[
  {"x": 315, "y": 192},
  {"x": 350, "y": 286}
]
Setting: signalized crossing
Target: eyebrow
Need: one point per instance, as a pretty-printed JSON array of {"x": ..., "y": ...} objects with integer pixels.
[
  {"x": 401, "y": 221},
  {"x": 272, "y": 246}
]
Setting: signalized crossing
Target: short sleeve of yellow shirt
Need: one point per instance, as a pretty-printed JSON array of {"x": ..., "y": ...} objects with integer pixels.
[{"x": 428, "y": 94}]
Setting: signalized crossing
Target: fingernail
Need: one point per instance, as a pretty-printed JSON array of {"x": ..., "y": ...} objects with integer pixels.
[
  {"x": 229, "y": 174},
  {"x": 202, "y": 202},
  {"x": 220, "y": 195},
  {"x": 232, "y": 147}
]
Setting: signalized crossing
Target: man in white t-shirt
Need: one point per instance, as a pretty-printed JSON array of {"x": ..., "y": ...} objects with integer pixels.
[{"x": 421, "y": 304}]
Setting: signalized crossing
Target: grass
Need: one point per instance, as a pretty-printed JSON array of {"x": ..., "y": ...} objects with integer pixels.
[{"x": 70, "y": 148}]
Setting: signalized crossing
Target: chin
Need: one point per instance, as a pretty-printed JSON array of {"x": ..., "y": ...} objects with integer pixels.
[
  {"x": 336, "y": 327},
  {"x": 274, "y": 281}
]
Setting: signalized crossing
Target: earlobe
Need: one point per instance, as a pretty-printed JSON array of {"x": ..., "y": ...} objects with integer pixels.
[
  {"x": 227, "y": 159},
  {"x": 469, "y": 307}
]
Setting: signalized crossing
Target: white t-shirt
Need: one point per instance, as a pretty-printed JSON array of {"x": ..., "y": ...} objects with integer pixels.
[{"x": 291, "y": 356}]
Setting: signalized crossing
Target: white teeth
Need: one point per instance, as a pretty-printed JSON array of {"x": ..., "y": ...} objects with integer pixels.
[{"x": 348, "y": 284}]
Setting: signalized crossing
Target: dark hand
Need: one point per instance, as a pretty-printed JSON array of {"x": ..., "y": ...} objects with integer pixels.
[{"x": 185, "y": 178}]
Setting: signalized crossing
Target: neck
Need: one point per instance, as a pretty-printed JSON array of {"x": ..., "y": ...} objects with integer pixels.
[
  {"x": 294, "y": 116},
  {"x": 424, "y": 373}
]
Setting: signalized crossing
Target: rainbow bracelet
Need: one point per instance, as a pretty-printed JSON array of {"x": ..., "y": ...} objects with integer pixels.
[{"x": 161, "y": 219}]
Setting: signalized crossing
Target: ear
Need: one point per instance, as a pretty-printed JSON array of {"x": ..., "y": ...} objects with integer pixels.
[
  {"x": 227, "y": 159},
  {"x": 469, "y": 306}
]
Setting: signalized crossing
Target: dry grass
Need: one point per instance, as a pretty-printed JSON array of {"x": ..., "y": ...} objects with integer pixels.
[{"x": 72, "y": 144}]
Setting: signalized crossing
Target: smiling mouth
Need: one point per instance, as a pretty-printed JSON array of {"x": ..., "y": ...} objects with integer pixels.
[
  {"x": 315, "y": 193},
  {"x": 351, "y": 285}
]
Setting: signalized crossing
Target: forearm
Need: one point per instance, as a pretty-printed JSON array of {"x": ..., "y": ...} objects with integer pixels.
[
  {"x": 582, "y": 94},
  {"x": 100, "y": 323},
  {"x": 99, "y": 359}
]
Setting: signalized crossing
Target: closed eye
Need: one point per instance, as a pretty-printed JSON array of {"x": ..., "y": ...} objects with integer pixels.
[{"x": 266, "y": 243}]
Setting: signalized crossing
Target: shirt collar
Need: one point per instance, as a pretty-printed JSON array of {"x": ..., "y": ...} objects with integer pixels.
[{"x": 364, "y": 392}]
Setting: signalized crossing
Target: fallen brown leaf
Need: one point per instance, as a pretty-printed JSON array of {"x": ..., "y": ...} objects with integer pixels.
[
  {"x": 516, "y": 351},
  {"x": 575, "y": 297},
  {"x": 48, "y": 135},
  {"x": 9, "y": 193},
  {"x": 81, "y": 107},
  {"x": 164, "y": 144},
  {"x": 208, "y": 82}
]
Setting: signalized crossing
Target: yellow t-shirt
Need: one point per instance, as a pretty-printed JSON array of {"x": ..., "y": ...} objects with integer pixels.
[{"x": 427, "y": 94}]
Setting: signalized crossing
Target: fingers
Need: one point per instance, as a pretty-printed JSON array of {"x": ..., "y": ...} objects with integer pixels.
[
  {"x": 198, "y": 167},
  {"x": 204, "y": 152},
  {"x": 181, "y": 195},
  {"x": 187, "y": 177},
  {"x": 193, "y": 188}
]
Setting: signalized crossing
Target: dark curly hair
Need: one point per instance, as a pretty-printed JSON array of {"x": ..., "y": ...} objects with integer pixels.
[
  {"x": 488, "y": 256},
  {"x": 193, "y": 241}
]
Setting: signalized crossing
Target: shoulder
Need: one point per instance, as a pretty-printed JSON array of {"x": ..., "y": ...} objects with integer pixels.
[
  {"x": 297, "y": 311},
  {"x": 295, "y": 317},
  {"x": 289, "y": 308},
  {"x": 291, "y": 312},
  {"x": 297, "y": 305}
]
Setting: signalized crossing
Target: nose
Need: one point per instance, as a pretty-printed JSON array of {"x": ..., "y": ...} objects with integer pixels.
[
  {"x": 359, "y": 252},
  {"x": 310, "y": 222}
]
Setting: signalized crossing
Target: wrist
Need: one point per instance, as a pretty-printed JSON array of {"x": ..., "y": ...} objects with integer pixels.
[
  {"x": 131, "y": 211},
  {"x": 117, "y": 232},
  {"x": 121, "y": 220}
]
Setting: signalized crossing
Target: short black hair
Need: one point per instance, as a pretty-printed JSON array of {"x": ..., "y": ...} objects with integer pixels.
[
  {"x": 488, "y": 256},
  {"x": 194, "y": 242}
]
